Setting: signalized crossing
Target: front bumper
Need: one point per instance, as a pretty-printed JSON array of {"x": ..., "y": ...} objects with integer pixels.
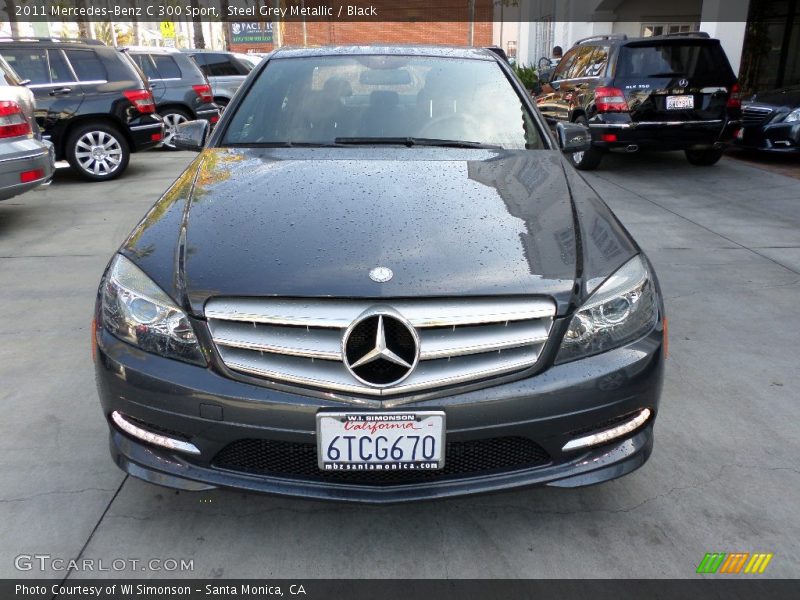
[
  {"x": 774, "y": 137},
  {"x": 213, "y": 411}
]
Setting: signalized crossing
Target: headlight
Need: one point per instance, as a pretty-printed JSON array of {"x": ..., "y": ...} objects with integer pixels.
[
  {"x": 793, "y": 117},
  {"x": 621, "y": 310},
  {"x": 137, "y": 311}
]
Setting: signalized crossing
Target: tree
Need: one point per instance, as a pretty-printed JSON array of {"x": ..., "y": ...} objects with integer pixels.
[
  {"x": 12, "y": 16},
  {"x": 226, "y": 28},
  {"x": 197, "y": 26},
  {"x": 135, "y": 28},
  {"x": 83, "y": 25}
]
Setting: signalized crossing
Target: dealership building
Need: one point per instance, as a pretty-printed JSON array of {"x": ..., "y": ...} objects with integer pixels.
[{"x": 760, "y": 37}]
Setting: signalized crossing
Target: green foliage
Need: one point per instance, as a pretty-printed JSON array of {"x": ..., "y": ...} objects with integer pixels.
[{"x": 527, "y": 75}]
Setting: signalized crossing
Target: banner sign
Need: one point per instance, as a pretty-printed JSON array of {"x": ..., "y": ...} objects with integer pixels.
[{"x": 256, "y": 32}]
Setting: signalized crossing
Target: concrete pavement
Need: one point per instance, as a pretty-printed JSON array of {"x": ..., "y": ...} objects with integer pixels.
[{"x": 723, "y": 477}]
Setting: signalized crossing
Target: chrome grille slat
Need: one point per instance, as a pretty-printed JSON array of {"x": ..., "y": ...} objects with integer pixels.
[
  {"x": 459, "y": 341},
  {"x": 319, "y": 343},
  {"x": 340, "y": 313},
  {"x": 755, "y": 115},
  {"x": 334, "y": 376},
  {"x": 299, "y": 341}
]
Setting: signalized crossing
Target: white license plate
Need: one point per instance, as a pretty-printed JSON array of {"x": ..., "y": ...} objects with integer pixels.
[
  {"x": 680, "y": 102},
  {"x": 380, "y": 441}
]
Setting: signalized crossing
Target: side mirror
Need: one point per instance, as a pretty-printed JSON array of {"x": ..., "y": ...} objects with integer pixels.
[
  {"x": 191, "y": 135},
  {"x": 573, "y": 137}
]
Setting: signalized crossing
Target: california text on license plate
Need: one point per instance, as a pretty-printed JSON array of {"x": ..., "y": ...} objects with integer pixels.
[
  {"x": 384, "y": 441},
  {"x": 680, "y": 102}
]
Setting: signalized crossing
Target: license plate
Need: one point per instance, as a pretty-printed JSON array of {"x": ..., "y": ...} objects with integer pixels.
[
  {"x": 384, "y": 441},
  {"x": 680, "y": 102}
]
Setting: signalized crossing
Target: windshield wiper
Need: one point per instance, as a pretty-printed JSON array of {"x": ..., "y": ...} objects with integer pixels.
[{"x": 412, "y": 141}]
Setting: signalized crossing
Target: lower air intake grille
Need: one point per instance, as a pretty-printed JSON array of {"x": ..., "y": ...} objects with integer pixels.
[{"x": 299, "y": 461}]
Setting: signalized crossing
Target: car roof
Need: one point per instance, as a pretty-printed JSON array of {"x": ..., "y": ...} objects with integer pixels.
[
  {"x": 79, "y": 42},
  {"x": 616, "y": 39},
  {"x": 153, "y": 49},
  {"x": 199, "y": 50},
  {"x": 439, "y": 51}
]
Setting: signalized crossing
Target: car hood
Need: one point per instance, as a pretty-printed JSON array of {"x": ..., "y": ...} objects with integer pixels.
[
  {"x": 788, "y": 97},
  {"x": 314, "y": 222}
]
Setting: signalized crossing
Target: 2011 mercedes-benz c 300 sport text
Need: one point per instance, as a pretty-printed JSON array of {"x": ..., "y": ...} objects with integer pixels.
[{"x": 379, "y": 280}]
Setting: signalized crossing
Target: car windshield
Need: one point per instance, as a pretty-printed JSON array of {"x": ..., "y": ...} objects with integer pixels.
[{"x": 382, "y": 99}]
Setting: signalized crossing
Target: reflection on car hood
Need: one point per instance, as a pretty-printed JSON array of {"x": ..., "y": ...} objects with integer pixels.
[
  {"x": 313, "y": 222},
  {"x": 789, "y": 97}
]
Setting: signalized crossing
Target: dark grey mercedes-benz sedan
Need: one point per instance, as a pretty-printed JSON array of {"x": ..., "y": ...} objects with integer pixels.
[{"x": 379, "y": 281}]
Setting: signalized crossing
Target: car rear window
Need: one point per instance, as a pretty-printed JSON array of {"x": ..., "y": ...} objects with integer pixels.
[
  {"x": 222, "y": 65},
  {"x": 691, "y": 60},
  {"x": 167, "y": 67},
  {"x": 87, "y": 65}
]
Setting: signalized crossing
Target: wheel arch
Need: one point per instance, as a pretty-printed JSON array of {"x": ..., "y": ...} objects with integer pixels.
[
  {"x": 176, "y": 106},
  {"x": 61, "y": 149}
]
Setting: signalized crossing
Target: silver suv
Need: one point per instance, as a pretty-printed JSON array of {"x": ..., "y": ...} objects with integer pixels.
[{"x": 225, "y": 71}]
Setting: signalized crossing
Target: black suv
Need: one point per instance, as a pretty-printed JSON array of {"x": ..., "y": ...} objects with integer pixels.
[
  {"x": 91, "y": 102},
  {"x": 671, "y": 92},
  {"x": 181, "y": 91}
]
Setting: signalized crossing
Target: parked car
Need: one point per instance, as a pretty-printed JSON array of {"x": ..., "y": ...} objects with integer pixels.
[
  {"x": 304, "y": 333},
  {"x": 26, "y": 160},
  {"x": 771, "y": 121},
  {"x": 225, "y": 71},
  {"x": 670, "y": 92},
  {"x": 181, "y": 91},
  {"x": 91, "y": 102}
]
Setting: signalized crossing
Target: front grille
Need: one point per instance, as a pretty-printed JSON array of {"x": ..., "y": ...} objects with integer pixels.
[
  {"x": 300, "y": 341},
  {"x": 462, "y": 459},
  {"x": 753, "y": 116}
]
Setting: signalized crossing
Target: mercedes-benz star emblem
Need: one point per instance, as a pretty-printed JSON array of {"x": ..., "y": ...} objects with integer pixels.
[
  {"x": 683, "y": 83},
  {"x": 380, "y": 349},
  {"x": 381, "y": 274}
]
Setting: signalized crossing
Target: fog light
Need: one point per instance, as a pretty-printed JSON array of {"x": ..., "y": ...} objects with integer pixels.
[
  {"x": 601, "y": 437},
  {"x": 152, "y": 438}
]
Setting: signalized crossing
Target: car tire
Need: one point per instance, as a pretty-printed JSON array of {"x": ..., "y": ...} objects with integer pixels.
[
  {"x": 704, "y": 158},
  {"x": 172, "y": 118},
  {"x": 589, "y": 159},
  {"x": 98, "y": 152}
]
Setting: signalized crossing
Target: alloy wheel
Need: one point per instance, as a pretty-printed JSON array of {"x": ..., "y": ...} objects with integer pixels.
[
  {"x": 98, "y": 152},
  {"x": 171, "y": 122}
]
